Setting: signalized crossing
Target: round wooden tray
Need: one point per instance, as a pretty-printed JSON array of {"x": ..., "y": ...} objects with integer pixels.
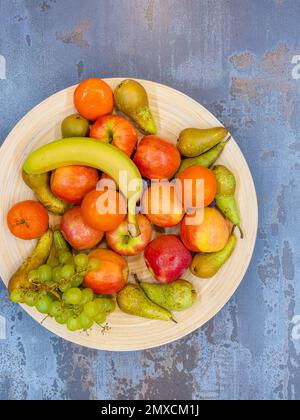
[{"x": 173, "y": 112}]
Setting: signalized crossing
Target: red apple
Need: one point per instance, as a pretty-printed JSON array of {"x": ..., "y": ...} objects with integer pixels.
[
  {"x": 111, "y": 276},
  {"x": 167, "y": 258},
  {"x": 72, "y": 183},
  {"x": 79, "y": 235},
  {"x": 116, "y": 130},
  {"x": 123, "y": 243},
  {"x": 205, "y": 230},
  {"x": 157, "y": 158}
]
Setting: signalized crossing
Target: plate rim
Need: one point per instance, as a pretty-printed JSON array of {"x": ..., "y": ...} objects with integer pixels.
[{"x": 76, "y": 339}]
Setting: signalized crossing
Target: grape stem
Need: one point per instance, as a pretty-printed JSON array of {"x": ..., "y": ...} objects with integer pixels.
[{"x": 43, "y": 320}]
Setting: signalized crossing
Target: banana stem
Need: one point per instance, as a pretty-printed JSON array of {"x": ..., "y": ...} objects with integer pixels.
[{"x": 133, "y": 229}]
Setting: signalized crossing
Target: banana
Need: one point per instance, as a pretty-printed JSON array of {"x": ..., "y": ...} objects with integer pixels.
[{"x": 88, "y": 152}]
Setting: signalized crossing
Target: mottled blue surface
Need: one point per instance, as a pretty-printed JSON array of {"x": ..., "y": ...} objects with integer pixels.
[{"x": 235, "y": 57}]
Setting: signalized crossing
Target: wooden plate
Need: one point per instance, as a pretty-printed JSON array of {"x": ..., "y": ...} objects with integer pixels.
[{"x": 173, "y": 112}]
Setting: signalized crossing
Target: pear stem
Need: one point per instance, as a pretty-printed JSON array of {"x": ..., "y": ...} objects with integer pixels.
[
  {"x": 241, "y": 232},
  {"x": 136, "y": 278},
  {"x": 174, "y": 320}
]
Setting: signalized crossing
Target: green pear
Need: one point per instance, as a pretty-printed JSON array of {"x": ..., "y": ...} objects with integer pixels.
[
  {"x": 193, "y": 142},
  {"x": 225, "y": 198},
  {"x": 176, "y": 296},
  {"x": 226, "y": 180},
  {"x": 206, "y": 159},
  {"x": 134, "y": 301},
  {"x": 207, "y": 265},
  {"x": 131, "y": 98}
]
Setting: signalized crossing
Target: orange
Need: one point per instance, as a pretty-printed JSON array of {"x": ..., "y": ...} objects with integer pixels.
[
  {"x": 190, "y": 191},
  {"x": 104, "y": 210},
  {"x": 93, "y": 98},
  {"x": 28, "y": 220}
]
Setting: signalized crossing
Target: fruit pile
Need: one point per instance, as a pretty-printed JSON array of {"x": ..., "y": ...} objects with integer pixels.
[
  {"x": 54, "y": 287},
  {"x": 94, "y": 179}
]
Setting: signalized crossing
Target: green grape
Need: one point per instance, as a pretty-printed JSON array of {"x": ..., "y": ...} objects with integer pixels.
[
  {"x": 73, "y": 323},
  {"x": 91, "y": 309},
  {"x": 113, "y": 305},
  {"x": 43, "y": 304},
  {"x": 85, "y": 321},
  {"x": 72, "y": 296},
  {"x": 45, "y": 273},
  {"x": 87, "y": 296},
  {"x": 53, "y": 262},
  {"x": 94, "y": 264},
  {"x": 17, "y": 296},
  {"x": 70, "y": 261},
  {"x": 33, "y": 275},
  {"x": 100, "y": 318},
  {"x": 67, "y": 272},
  {"x": 63, "y": 258},
  {"x": 77, "y": 280},
  {"x": 56, "y": 274},
  {"x": 81, "y": 261},
  {"x": 105, "y": 304},
  {"x": 30, "y": 298},
  {"x": 55, "y": 309},
  {"x": 63, "y": 287},
  {"x": 41, "y": 293},
  {"x": 62, "y": 318}
]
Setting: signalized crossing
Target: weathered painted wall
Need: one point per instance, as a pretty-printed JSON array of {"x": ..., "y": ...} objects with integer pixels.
[{"x": 235, "y": 57}]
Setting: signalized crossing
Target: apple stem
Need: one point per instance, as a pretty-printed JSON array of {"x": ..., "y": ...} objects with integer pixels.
[{"x": 159, "y": 229}]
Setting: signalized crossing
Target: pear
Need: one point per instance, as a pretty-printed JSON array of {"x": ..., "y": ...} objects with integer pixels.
[
  {"x": 225, "y": 199},
  {"x": 38, "y": 257},
  {"x": 176, "y": 296},
  {"x": 207, "y": 265},
  {"x": 226, "y": 180},
  {"x": 206, "y": 159},
  {"x": 134, "y": 301},
  {"x": 131, "y": 98},
  {"x": 193, "y": 142},
  {"x": 40, "y": 185}
]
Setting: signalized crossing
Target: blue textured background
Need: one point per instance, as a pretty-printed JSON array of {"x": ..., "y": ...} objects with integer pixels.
[{"x": 234, "y": 56}]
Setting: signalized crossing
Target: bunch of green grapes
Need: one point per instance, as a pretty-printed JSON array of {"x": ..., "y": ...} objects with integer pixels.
[
  {"x": 63, "y": 272},
  {"x": 79, "y": 309},
  {"x": 57, "y": 292}
]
